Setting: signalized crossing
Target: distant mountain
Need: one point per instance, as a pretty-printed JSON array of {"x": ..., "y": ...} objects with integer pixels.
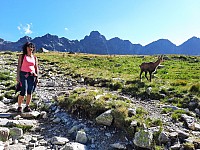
[
  {"x": 95, "y": 43},
  {"x": 162, "y": 46},
  {"x": 54, "y": 43},
  {"x": 191, "y": 46},
  {"x": 118, "y": 46}
]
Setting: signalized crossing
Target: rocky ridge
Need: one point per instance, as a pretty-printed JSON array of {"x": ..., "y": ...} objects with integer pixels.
[
  {"x": 54, "y": 128},
  {"x": 96, "y": 43}
]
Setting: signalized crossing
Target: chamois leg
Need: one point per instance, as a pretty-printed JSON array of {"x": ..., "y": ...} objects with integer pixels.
[
  {"x": 141, "y": 74},
  {"x": 146, "y": 75},
  {"x": 150, "y": 73}
]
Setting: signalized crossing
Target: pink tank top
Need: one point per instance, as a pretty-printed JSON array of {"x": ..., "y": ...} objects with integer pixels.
[{"x": 28, "y": 64}]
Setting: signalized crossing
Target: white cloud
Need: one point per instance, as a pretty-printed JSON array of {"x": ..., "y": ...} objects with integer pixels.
[
  {"x": 19, "y": 28},
  {"x": 26, "y": 29},
  {"x": 66, "y": 29}
]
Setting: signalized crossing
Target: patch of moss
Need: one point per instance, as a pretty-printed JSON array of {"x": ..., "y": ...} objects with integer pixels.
[
  {"x": 176, "y": 115},
  {"x": 25, "y": 128}
]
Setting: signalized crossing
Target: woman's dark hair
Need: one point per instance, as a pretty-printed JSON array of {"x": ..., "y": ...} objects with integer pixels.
[{"x": 27, "y": 44}]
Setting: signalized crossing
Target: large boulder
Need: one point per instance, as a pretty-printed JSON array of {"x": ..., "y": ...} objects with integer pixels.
[
  {"x": 105, "y": 119},
  {"x": 143, "y": 139}
]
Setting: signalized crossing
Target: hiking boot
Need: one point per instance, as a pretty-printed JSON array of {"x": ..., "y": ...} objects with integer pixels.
[
  {"x": 19, "y": 109},
  {"x": 27, "y": 109}
]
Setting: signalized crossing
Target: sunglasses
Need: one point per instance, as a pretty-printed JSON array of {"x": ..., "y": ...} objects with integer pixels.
[{"x": 31, "y": 46}]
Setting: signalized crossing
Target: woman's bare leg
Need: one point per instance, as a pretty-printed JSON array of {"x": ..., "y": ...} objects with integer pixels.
[
  {"x": 28, "y": 99},
  {"x": 20, "y": 100}
]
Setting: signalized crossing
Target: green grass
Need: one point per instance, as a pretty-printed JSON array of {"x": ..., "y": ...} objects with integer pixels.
[{"x": 180, "y": 74}]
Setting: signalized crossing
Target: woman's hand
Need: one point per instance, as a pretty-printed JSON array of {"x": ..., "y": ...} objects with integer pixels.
[{"x": 18, "y": 79}]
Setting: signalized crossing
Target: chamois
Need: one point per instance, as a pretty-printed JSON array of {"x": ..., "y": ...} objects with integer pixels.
[{"x": 150, "y": 67}]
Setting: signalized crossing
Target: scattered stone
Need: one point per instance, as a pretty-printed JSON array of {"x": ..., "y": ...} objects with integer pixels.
[
  {"x": 105, "y": 119},
  {"x": 182, "y": 134},
  {"x": 33, "y": 114},
  {"x": 56, "y": 120},
  {"x": 190, "y": 121},
  {"x": 81, "y": 137},
  {"x": 143, "y": 139},
  {"x": 16, "y": 147},
  {"x": 163, "y": 138},
  {"x": 176, "y": 146},
  {"x": 5, "y": 115},
  {"x": 16, "y": 133},
  {"x": 59, "y": 140},
  {"x": 133, "y": 124},
  {"x": 118, "y": 146},
  {"x": 43, "y": 114},
  {"x": 131, "y": 111},
  {"x": 74, "y": 146}
]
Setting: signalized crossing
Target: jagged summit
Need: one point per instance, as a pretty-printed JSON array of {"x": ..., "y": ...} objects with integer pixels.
[
  {"x": 25, "y": 39},
  {"x": 96, "y": 43}
]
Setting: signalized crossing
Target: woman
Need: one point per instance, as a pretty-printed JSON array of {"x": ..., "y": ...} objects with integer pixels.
[{"x": 27, "y": 75}]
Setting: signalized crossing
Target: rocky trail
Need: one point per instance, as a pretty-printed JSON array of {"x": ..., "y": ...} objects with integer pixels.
[{"x": 55, "y": 129}]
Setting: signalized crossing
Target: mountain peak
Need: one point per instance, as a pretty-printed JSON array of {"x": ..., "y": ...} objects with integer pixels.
[
  {"x": 25, "y": 39},
  {"x": 95, "y": 34},
  {"x": 48, "y": 35},
  {"x": 194, "y": 38}
]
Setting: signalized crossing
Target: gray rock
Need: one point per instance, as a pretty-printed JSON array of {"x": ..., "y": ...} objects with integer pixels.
[
  {"x": 192, "y": 105},
  {"x": 56, "y": 120},
  {"x": 173, "y": 135},
  {"x": 16, "y": 133},
  {"x": 163, "y": 138},
  {"x": 32, "y": 114},
  {"x": 118, "y": 146},
  {"x": 40, "y": 148},
  {"x": 59, "y": 140},
  {"x": 190, "y": 121},
  {"x": 133, "y": 123},
  {"x": 74, "y": 146},
  {"x": 16, "y": 147},
  {"x": 131, "y": 111},
  {"x": 182, "y": 134},
  {"x": 3, "y": 107},
  {"x": 5, "y": 115},
  {"x": 81, "y": 137},
  {"x": 197, "y": 126},
  {"x": 148, "y": 90},
  {"x": 143, "y": 139},
  {"x": 176, "y": 146},
  {"x": 105, "y": 119}
]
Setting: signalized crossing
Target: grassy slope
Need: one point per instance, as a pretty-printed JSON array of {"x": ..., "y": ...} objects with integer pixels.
[{"x": 179, "y": 72}]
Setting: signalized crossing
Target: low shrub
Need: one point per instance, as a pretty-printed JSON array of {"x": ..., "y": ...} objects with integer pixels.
[
  {"x": 179, "y": 83},
  {"x": 25, "y": 128},
  {"x": 166, "y": 110},
  {"x": 116, "y": 86},
  {"x": 9, "y": 94},
  {"x": 5, "y": 76},
  {"x": 176, "y": 115},
  {"x": 195, "y": 88},
  {"x": 120, "y": 114}
]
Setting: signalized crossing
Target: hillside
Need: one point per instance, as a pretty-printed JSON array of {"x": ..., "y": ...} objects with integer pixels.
[
  {"x": 77, "y": 89},
  {"x": 95, "y": 43}
]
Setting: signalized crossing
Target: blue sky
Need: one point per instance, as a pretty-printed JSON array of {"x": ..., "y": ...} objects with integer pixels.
[{"x": 139, "y": 21}]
